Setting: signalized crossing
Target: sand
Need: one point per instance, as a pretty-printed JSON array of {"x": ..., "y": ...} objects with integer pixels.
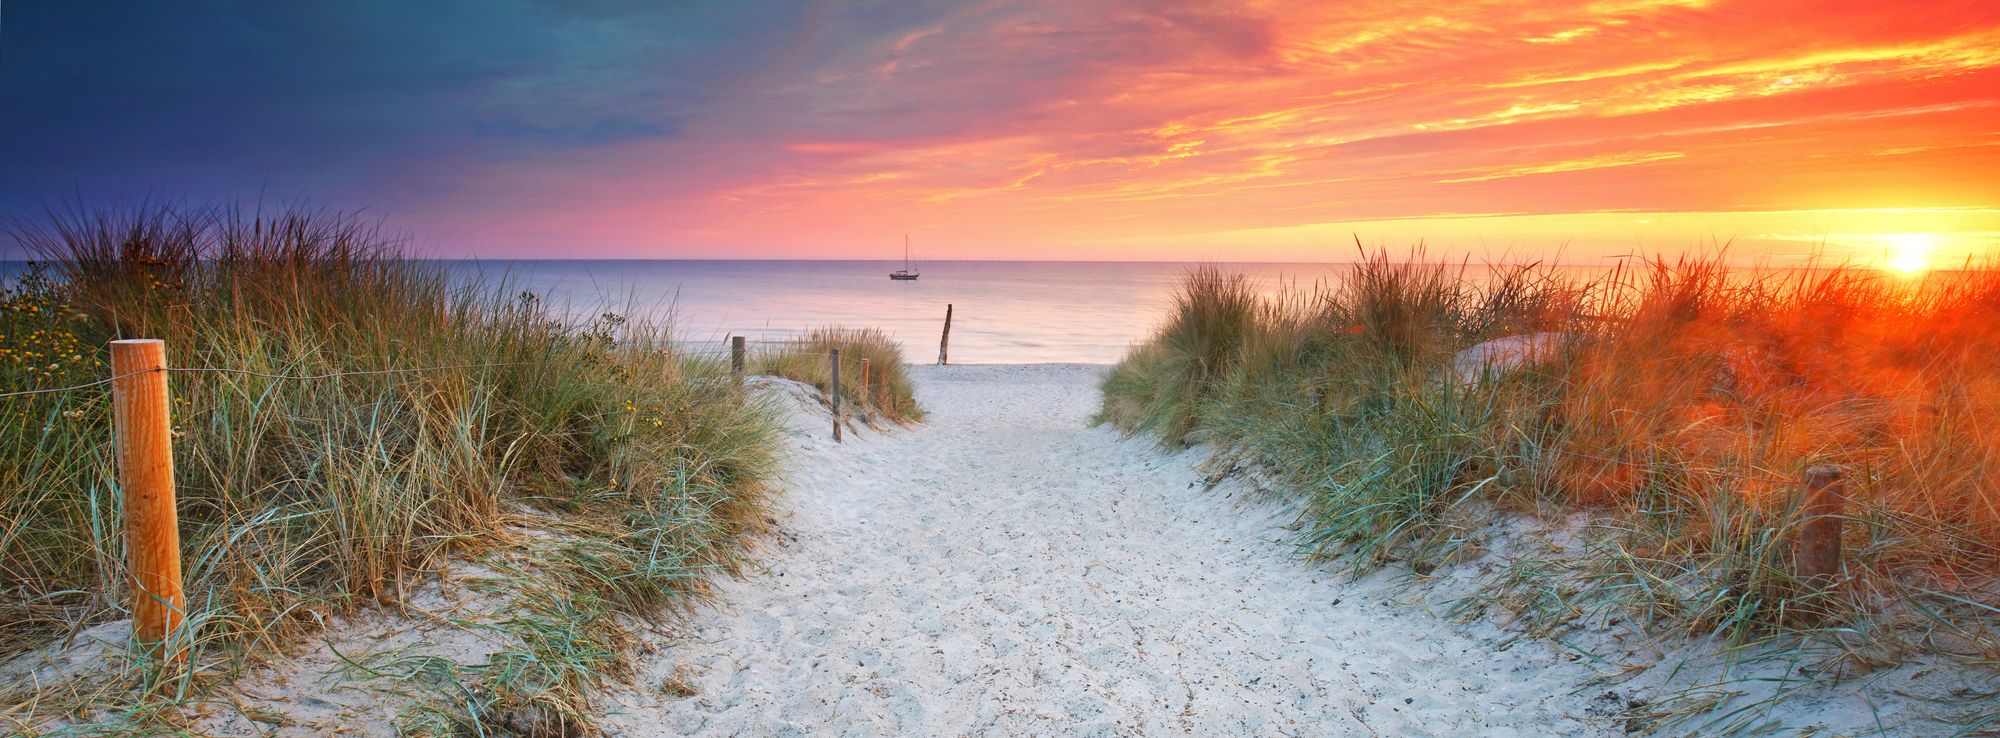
[{"x": 1005, "y": 569}]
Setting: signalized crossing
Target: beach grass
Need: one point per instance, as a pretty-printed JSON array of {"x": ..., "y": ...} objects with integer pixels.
[
  {"x": 361, "y": 420},
  {"x": 889, "y": 394},
  {"x": 1663, "y": 413}
]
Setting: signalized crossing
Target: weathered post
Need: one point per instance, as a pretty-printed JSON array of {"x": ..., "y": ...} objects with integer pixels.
[
  {"x": 143, "y": 434},
  {"x": 867, "y": 399},
  {"x": 836, "y": 395},
  {"x": 944, "y": 344},
  {"x": 1820, "y": 526},
  {"x": 736, "y": 357}
]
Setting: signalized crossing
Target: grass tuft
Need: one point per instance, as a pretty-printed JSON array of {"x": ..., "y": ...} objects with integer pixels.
[
  {"x": 889, "y": 395},
  {"x": 302, "y": 499},
  {"x": 1674, "y": 405}
]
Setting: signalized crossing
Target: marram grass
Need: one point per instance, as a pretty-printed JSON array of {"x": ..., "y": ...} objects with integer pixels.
[
  {"x": 1675, "y": 411},
  {"x": 889, "y": 393},
  {"x": 301, "y": 499}
]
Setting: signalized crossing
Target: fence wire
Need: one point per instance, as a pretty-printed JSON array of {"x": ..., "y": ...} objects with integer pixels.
[
  {"x": 354, "y": 373},
  {"x": 1899, "y": 517}
]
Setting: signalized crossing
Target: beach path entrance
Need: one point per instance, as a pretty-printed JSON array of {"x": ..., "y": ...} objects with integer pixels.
[{"x": 1007, "y": 569}]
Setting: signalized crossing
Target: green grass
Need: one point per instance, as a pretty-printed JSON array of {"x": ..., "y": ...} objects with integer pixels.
[
  {"x": 1676, "y": 413},
  {"x": 889, "y": 394},
  {"x": 302, "y": 499}
]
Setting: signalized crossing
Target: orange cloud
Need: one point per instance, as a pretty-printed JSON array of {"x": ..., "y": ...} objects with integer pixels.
[{"x": 1086, "y": 128}]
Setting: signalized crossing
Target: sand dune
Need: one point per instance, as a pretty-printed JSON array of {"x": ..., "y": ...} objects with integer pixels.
[{"x": 1005, "y": 569}]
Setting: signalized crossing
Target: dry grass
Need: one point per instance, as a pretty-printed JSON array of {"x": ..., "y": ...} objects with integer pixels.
[
  {"x": 1678, "y": 411},
  {"x": 305, "y": 498},
  {"x": 889, "y": 393}
]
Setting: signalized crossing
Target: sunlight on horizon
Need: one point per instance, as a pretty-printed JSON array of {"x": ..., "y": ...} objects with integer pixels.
[{"x": 1910, "y": 252}]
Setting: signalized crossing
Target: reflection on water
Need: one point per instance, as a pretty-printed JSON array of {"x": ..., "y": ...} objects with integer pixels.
[{"x": 1005, "y": 312}]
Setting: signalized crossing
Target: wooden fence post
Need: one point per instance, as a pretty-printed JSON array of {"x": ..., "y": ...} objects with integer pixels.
[
  {"x": 867, "y": 400},
  {"x": 836, "y": 395},
  {"x": 143, "y": 434},
  {"x": 736, "y": 357},
  {"x": 1820, "y": 526},
  {"x": 944, "y": 344}
]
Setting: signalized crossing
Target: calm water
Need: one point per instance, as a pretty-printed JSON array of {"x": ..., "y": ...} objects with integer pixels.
[{"x": 1005, "y": 312}]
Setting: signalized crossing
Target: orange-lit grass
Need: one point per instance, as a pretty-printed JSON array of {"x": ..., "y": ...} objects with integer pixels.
[{"x": 1677, "y": 415}]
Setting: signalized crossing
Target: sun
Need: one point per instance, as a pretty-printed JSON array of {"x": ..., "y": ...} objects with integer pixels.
[{"x": 1909, "y": 253}]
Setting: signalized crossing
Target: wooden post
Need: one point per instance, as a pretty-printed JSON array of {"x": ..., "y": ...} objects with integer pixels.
[
  {"x": 836, "y": 395},
  {"x": 1819, "y": 528},
  {"x": 867, "y": 401},
  {"x": 143, "y": 434},
  {"x": 736, "y": 357},
  {"x": 944, "y": 344}
]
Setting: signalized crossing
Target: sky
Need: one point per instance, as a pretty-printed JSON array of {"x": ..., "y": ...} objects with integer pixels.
[{"x": 1573, "y": 131}]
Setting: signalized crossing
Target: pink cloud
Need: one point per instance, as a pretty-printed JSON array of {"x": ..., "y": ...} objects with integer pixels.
[{"x": 1024, "y": 129}]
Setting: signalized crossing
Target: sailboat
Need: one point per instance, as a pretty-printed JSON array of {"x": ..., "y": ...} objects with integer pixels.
[{"x": 905, "y": 273}]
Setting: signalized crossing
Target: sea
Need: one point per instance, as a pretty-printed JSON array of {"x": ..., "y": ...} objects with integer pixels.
[{"x": 1002, "y": 312}]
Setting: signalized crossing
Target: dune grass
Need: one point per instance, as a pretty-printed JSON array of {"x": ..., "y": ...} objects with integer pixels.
[
  {"x": 1674, "y": 410},
  {"x": 889, "y": 394},
  {"x": 304, "y": 498}
]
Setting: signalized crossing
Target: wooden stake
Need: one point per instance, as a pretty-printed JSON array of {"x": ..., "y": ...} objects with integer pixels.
[
  {"x": 836, "y": 395},
  {"x": 143, "y": 434},
  {"x": 736, "y": 357},
  {"x": 944, "y": 344},
  {"x": 1819, "y": 529},
  {"x": 867, "y": 401}
]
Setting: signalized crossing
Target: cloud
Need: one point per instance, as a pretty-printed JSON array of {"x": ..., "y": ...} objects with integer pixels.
[
  {"x": 350, "y": 96},
  {"x": 1604, "y": 161},
  {"x": 1005, "y": 127}
]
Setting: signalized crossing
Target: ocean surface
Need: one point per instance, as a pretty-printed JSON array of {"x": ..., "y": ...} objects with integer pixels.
[{"x": 1003, "y": 312}]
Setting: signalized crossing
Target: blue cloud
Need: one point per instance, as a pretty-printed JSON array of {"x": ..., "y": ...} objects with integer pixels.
[{"x": 345, "y": 101}]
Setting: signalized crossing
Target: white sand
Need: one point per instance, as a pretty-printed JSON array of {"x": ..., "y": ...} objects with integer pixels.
[
  {"x": 1007, "y": 570},
  {"x": 1504, "y": 354},
  {"x": 1004, "y": 569}
]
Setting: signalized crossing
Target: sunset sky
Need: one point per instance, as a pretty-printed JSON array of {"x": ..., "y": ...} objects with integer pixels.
[{"x": 1079, "y": 130}]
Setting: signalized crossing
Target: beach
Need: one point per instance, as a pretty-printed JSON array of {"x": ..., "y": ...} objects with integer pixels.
[
  {"x": 1008, "y": 569},
  {"x": 565, "y": 370}
]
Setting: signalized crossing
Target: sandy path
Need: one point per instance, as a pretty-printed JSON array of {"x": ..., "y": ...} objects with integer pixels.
[{"x": 1006, "y": 570}]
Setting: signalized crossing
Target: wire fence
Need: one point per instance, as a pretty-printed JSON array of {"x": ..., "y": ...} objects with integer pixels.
[
  {"x": 675, "y": 353},
  {"x": 142, "y": 439},
  {"x": 1906, "y": 519}
]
